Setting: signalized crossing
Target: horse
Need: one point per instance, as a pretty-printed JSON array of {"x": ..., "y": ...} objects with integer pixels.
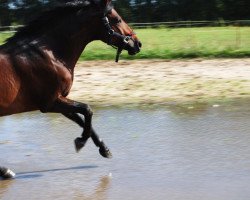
[{"x": 37, "y": 63}]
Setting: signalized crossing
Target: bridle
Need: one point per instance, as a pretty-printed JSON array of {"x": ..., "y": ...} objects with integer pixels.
[
  {"x": 112, "y": 34},
  {"x": 110, "y": 31}
]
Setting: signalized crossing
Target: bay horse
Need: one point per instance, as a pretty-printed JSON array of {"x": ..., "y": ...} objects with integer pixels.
[{"x": 37, "y": 63}]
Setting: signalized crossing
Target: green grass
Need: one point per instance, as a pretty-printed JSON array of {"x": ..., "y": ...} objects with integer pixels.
[
  {"x": 212, "y": 42},
  {"x": 4, "y": 36}
]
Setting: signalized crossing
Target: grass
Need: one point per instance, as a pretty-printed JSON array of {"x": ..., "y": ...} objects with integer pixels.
[
  {"x": 4, "y": 36},
  {"x": 164, "y": 43}
]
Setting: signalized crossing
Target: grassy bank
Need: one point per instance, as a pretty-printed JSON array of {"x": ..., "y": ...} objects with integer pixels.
[{"x": 212, "y": 42}]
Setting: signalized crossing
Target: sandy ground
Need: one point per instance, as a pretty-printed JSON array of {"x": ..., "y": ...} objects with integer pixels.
[{"x": 160, "y": 81}]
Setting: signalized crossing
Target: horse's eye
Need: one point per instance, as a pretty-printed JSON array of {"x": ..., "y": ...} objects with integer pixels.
[
  {"x": 119, "y": 21},
  {"x": 115, "y": 21}
]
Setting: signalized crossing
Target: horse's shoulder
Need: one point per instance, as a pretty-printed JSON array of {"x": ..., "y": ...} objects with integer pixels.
[{"x": 65, "y": 80}]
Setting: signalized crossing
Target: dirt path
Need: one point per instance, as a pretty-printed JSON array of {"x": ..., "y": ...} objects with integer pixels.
[{"x": 157, "y": 81}]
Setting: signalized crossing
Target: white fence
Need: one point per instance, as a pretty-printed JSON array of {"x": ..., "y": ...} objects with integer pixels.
[
  {"x": 182, "y": 24},
  {"x": 177, "y": 24},
  {"x": 9, "y": 29}
]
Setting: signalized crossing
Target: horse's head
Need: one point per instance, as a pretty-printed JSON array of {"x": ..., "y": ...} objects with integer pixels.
[
  {"x": 105, "y": 24},
  {"x": 116, "y": 32}
]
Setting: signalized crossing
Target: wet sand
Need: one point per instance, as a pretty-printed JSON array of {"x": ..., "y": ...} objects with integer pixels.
[{"x": 161, "y": 81}]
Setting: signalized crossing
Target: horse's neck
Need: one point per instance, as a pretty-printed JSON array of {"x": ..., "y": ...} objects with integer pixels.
[{"x": 69, "y": 49}]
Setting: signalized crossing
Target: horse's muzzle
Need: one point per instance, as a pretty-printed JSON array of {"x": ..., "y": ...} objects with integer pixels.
[{"x": 133, "y": 47}]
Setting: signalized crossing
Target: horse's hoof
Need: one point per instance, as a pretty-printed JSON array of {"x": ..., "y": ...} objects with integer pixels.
[
  {"x": 79, "y": 144},
  {"x": 6, "y": 173},
  {"x": 105, "y": 152}
]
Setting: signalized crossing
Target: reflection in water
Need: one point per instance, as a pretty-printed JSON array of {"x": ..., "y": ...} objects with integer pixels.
[
  {"x": 100, "y": 193},
  {"x": 4, "y": 185}
]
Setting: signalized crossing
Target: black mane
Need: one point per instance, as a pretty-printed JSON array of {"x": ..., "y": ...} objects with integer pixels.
[{"x": 49, "y": 19}]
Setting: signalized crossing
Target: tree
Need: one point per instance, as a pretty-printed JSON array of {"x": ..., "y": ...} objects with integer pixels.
[
  {"x": 22, "y": 11},
  {"x": 5, "y": 15},
  {"x": 124, "y": 9}
]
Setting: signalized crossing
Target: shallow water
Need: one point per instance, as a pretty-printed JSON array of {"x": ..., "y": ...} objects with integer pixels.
[{"x": 190, "y": 152}]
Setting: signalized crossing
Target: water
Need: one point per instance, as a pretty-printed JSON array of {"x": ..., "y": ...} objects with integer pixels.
[{"x": 191, "y": 152}]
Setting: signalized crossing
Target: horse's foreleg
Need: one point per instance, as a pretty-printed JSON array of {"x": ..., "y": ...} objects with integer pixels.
[
  {"x": 64, "y": 105},
  {"x": 6, "y": 173},
  {"x": 103, "y": 149}
]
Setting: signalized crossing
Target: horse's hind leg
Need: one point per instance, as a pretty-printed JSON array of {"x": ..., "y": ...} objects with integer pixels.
[
  {"x": 6, "y": 173},
  {"x": 103, "y": 149}
]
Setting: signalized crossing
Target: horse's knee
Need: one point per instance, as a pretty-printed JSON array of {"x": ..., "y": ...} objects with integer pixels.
[
  {"x": 84, "y": 109},
  {"x": 88, "y": 111}
]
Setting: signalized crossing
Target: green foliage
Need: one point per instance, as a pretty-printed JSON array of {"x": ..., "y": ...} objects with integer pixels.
[
  {"x": 21, "y": 11},
  {"x": 178, "y": 43},
  {"x": 5, "y": 18}
]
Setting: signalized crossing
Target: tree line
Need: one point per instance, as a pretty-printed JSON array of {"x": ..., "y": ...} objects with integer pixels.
[{"x": 22, "y": 11}]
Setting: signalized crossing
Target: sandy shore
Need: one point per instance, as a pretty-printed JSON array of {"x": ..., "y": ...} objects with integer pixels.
[{"x": 161, "y": 82}]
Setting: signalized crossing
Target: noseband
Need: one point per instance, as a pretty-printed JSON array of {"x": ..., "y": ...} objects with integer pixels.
[{"x": 112, "y": 34}]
